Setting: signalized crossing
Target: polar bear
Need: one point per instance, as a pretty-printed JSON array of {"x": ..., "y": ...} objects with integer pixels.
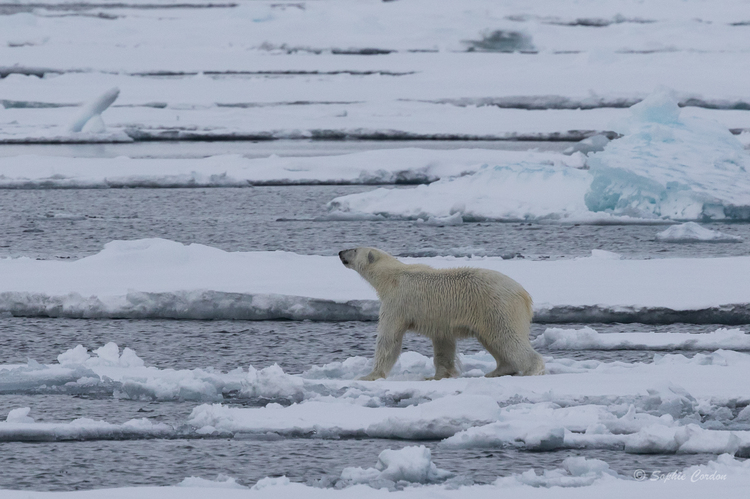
[{"x": 446, "y": 305}]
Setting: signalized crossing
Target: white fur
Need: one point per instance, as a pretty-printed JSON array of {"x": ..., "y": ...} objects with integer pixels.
[{"x": 445, "y": 305}]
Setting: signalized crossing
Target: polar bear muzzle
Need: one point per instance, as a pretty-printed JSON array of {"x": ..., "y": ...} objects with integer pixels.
[{"x": 347, "y": 257}]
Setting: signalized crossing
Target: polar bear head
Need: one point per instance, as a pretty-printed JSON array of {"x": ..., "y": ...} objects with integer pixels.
[
  {"x": 370, "y": 263},
  {"x": 360, "y": 258}
]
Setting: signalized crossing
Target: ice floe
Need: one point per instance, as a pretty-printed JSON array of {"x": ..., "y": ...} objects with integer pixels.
[
  {"x": 691, "y": 232},
  {"x": 671, "y": 405},
  {"x": 589, "y": 339},
  {"x": 395, "y": 166},
  {"x": 221, "y": 482},
  {"x": 152, "y": 278},
  {"x": 18, "y": 427}
]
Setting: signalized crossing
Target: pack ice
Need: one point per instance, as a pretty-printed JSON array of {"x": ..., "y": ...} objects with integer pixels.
[
  {"x": 672, "y": 404},
  {"x": 664, "y": 167}
]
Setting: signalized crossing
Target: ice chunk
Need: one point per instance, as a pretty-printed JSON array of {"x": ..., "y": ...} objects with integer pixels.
[
  {"x": 92, "y": 112},
  {"x": 691, "y": 232},
  {"x": 264, "y": 483},
  {"x": 591, "y": 144},
  {"x": 576, "y": 472},
  {"x": 221, "y": 482},
  {"x": 74, "y": 356},
  {"x": 670, "y": 167},
  {"x": 455, "y": 219},
  {"x": 411, "y": 464},
  {"x": 20, "y": 415},
  {"x": 605, "y": 255}
]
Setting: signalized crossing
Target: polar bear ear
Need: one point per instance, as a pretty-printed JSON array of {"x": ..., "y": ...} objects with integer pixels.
[{"x": 370, "y": 257}]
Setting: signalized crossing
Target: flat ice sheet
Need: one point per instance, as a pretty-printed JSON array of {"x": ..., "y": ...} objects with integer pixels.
[{"x": 142, "y": 277}]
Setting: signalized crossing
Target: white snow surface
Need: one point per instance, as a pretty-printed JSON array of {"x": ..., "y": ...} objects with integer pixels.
[
  {"x": 161, "y": 278},
  {"x": 589, "y": 339},
  {"x": 294, "y": 70},
  {"x": 664, "y": 167},
  {"x": 370, "y": 167},
  {"x": 691, "y": 232}
]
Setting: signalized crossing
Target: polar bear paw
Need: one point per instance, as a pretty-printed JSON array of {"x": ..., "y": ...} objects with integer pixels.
[{"x": 372, "y": 376}]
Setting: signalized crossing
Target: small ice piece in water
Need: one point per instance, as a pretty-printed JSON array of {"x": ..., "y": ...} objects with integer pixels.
[
  {"x": 411, "y": 464},
  {"x": 605, "y": 255},
  {"x": 20, "y": 415},
  {"x": 221, "y": 482},
  {"x": 269, "y": 481},
  {"x": 90, "y": 119},
  {"x": 591, "y": 144},
  {"x": 455, "y": 219},
  {"x": 580, "y": 466},
  {"x": 691, "y": 232}
]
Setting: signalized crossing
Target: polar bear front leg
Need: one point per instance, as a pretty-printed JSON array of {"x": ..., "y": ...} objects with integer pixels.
[
  {"x": 444, "y": 357},
  {"x": 387, "y": 348}
]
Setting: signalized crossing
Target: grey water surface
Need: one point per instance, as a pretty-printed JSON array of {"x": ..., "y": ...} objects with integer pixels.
[{"x": 74, "y": 223}]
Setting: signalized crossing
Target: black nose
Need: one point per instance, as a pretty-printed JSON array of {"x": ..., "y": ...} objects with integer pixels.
[{"x": 341, "y": 255}]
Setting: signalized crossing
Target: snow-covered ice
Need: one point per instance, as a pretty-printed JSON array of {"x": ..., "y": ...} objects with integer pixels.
[
  {"x": 409, "y": 165},
  {"x": 124, "y": 375},
  {"x": 671, "y": 167},
  {"x": 366, "y": 69},
  {"x": 589, "y": 339},
  {"x": 20, "y": 428},
  {"x": 664, "y": 167},
  {"x": 89, "y": 118},
  {"x": 691, "y": 232},
  {"x": 151, "y": 278},
  {"x": 411, "y": 464},
  {"x": 664, "y": 406}
]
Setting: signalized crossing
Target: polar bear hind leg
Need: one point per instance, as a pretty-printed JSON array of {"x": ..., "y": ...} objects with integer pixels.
[
  {"x": 444, "y": 357},
  {"x": 512, "y": 360}
]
